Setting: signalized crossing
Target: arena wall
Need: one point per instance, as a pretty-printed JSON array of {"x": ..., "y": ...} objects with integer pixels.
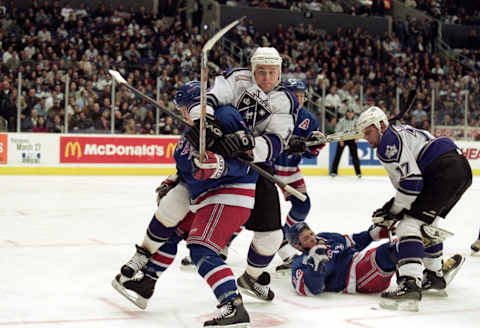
[{"x": 86, "y": 154}]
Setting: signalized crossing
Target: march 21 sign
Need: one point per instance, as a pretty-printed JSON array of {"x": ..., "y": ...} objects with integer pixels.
[{"x": 100, "y": 150}]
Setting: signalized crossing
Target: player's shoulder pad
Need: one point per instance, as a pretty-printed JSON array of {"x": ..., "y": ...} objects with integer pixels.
[
  {"x": 229, "y": 71},
  {"x": 291, "y": 96},
  {"x": 230, "y": 117},
  {"x": 390, "y": 147}
]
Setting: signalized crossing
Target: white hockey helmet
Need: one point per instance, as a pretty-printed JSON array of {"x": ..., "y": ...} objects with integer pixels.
[
  {"x": 266, "y": 56},
  {"x": 372, "y": 116}
]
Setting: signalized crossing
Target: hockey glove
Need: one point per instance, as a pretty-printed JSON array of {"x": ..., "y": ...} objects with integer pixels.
[
  {"x": 318, "y": 140},
  {"x": 383, "y": 217},
  {"x": 297, "y": 145},
  {"x": 238, "y": 144},
  {"x": 213, "y": 133},
  {"x": 170, "y": 182},
  {"x": 213, "y": 167},
  {"x": 378, "y": 232},
  {"x": 317, "y": 258}
]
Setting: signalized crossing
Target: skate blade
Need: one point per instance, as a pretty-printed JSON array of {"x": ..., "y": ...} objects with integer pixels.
[
  {"x": 435, "y": 293},
  {"x": 138, "y": 300},
  {"x": 403, "y": 305},
  {"x": 450, "y": 275},
  {"x": 252, "y": 294}
]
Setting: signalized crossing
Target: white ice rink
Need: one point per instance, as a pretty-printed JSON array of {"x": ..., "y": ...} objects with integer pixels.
[{"x": 63, "y": 239}]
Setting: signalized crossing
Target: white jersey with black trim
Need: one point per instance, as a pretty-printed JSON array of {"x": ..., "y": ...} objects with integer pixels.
[
  {"x": 264, "y": 113},
  {"x": 405, "y": 152}
]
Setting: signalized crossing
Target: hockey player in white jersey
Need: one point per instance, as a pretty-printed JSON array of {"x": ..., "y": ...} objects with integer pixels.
[
  {"x": 430, "y": 175},
  {"x": 269, "y": 110}
]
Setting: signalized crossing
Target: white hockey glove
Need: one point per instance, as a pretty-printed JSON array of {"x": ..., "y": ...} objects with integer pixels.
[
  {"x": 315, "y": 142},
  {"x": 317, "y": 258},
  {"x": 169, "y": 183},
  {"x": 378, "y": 232}
]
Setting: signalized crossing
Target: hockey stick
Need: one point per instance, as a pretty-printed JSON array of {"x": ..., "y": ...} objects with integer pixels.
[
  {"x": 412, "y": 95},
  {"x": 340, "y": 136},
  {"x": 204, "y": 79},
  {"x": 119, "y": 78}
]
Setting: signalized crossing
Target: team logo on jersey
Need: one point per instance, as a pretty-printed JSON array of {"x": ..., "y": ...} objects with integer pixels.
[
  {"x": 252, "y": 108},
  {"x": 391, "y": 151},
  {"x": 305, "y": 124}
]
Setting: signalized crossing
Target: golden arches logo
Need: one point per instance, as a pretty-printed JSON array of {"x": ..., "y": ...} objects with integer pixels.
[
  {"x": 170, "y": 149},
  {"x": 73, "y": 149}
]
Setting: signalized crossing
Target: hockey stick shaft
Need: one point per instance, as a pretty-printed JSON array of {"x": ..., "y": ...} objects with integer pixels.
[
  {"x": 118, "y": 77},
  {"x": 204, "y": 80}
]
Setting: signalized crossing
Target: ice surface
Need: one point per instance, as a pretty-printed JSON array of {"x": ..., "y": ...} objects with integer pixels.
[{"x": 63, "y": 239}]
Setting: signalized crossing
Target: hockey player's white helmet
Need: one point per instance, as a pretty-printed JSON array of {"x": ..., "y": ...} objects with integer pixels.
[
  {"x": 372, "y": 116},
  {"x": 266, "y": 56}
]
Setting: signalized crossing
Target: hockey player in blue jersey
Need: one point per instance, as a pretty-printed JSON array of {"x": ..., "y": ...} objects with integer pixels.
[
  {"x": 221, "y": 195},
  {"x": 430, "y": 175},
  {"x": 287, "y": 166},
  {"x": 332, "y": 262}
]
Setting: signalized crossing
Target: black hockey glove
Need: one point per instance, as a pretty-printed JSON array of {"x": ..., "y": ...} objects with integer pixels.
[
  {"x": 297, "y": 145},
  {"x": 213, "y": 133},
  {"x": 383, "y": 217},
  {"x": 238, "y": 144}
]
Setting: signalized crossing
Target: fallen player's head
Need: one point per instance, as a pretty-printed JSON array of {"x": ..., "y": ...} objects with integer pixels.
[
  {"x": 301, "y": 236},
  {"x": 185, "y": 96}
]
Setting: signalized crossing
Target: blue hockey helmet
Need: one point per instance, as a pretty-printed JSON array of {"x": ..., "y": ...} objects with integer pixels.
[
  {"x": 292, "y": 233},
  {"x": 187, "y": 93},
  {"x": 295, "y": 85}
]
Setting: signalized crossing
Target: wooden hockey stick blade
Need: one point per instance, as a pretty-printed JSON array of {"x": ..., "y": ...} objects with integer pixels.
[
  {"x": 275, "y": 180},
  {"x": 211, "y": 42},
  {"x": 412, "y": 95}
]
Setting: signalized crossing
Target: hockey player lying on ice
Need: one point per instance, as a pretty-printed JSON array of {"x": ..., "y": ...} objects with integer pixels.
[{"x": 332, "y": 262}]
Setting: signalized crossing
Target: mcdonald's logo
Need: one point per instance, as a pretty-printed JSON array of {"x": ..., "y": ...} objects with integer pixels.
[
  {"x": 73, "y": 149},
  {"x": 170, "y": 149}
]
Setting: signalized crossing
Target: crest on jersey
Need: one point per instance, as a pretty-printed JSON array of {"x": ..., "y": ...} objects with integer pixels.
[
  {"x": 305, "y": 124},
  {"x": 253, "y": 109},
  {"x": 391, "y": 151}
]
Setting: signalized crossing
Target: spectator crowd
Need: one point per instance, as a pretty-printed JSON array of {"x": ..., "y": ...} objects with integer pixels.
[{"x": 53, "y": 44}]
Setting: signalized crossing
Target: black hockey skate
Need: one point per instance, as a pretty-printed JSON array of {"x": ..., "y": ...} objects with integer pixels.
[
  {"x": 406, "y": 297},
  {"x": 475, "y": 246},
  {"x": 433, "y": 280},
  {"x": 231, "y": 313},
  {"x": 137, "y": 290},
  {"x": 138, "y": 261},
  {"x": 256, "y": 288}
]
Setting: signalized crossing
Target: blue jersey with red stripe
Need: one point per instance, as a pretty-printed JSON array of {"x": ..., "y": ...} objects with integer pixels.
[
  {"x": 239, "y": 180},
  {"x": 331, "y": 277},
  {"x": 305, "y": 124}
]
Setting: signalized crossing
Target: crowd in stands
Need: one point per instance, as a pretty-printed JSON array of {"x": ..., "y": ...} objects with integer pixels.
[
  {"x": 465, "y": 12},
  {"x": 352, "y": 7},
  {"x": 48, "y": 42}
]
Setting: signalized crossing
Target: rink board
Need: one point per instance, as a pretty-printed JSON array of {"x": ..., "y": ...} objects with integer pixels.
[{"x": 90, "y": 154}]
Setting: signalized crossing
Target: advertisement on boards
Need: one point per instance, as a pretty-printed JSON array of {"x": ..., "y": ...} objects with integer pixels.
[
  {"x": 117, "y": 150},
  {"x": 31, "y": 149},
  {"x": 3, "y": 148}
]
